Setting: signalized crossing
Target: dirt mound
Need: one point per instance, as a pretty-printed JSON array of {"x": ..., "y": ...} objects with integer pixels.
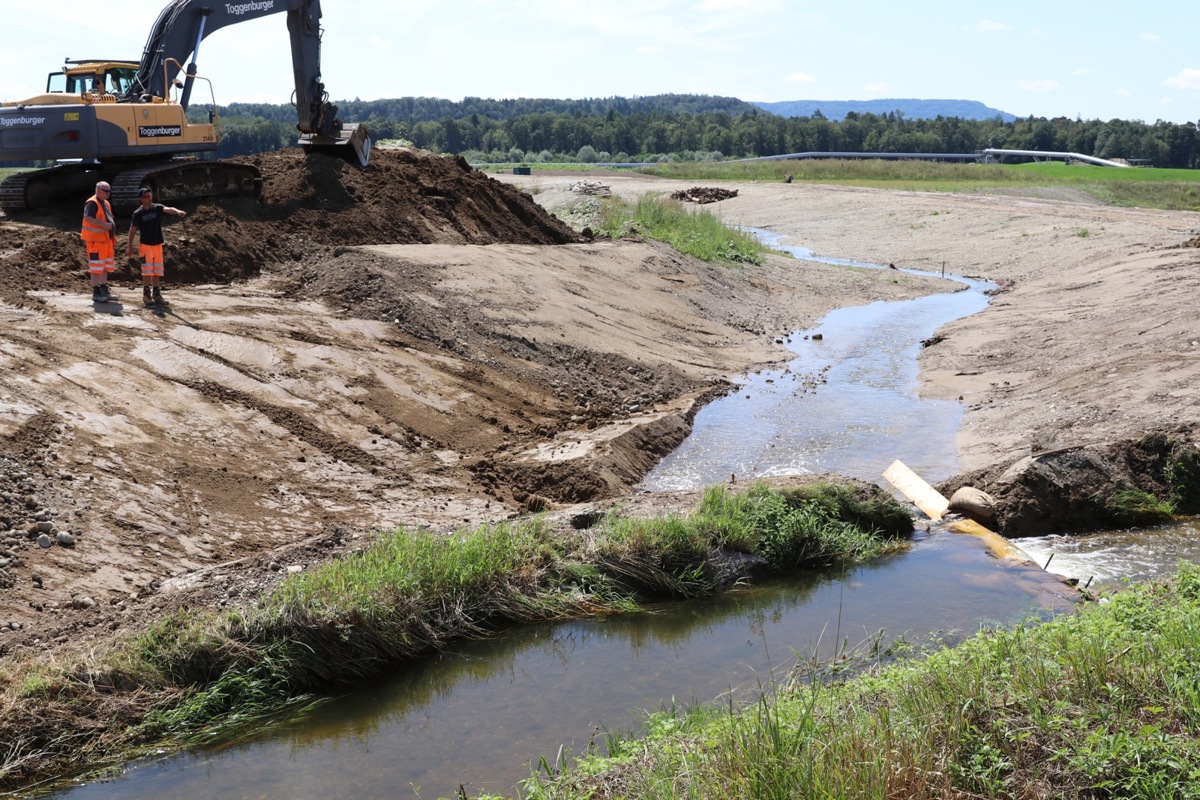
[
  {"x": 1080, "y": 489},
  {"x": 310, "y": 201},
  {"x": 704, "y": 194}
]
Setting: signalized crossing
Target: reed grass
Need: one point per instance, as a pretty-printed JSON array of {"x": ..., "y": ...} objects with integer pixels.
[{"x": 696, "y": 232}]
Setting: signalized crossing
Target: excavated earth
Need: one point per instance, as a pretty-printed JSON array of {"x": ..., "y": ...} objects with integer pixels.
[
  {"x": 413, "y": 343},
  {"x": 416, "y": 343}
]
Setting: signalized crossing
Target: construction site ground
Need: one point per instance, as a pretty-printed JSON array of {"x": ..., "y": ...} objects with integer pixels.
[{"x": 421, "y": 344}]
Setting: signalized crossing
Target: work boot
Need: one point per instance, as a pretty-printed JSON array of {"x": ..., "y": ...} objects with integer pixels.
[
  {"x": 146, "y": 298},
  {"x": 159, "y": 300},
  {"x": 97, "y": 297},
  {"x": 105, "y": 295}
]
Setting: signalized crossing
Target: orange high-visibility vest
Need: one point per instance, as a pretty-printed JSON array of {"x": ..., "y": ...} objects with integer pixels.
[{"x": 91, "y": 232}]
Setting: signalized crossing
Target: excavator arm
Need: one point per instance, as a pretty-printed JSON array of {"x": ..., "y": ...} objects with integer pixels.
[{"x": 184, "y": 24}]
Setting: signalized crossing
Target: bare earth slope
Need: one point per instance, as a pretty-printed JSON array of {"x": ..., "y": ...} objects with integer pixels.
[
  {"x": 1081, "y": 376},
  {"x": 413, "y": 343}
]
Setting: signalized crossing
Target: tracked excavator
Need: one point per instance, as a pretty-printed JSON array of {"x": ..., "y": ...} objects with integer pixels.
[{"x": 126, "y": 122}]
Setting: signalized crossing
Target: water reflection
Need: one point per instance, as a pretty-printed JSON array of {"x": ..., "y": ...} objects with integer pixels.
[
  {"x": 480, "y": 714},
  {"x": 847, "y": 403}
]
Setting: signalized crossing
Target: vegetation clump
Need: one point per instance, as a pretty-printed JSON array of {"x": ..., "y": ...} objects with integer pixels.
[
  {"x": 1133, "y": 508},
  {"x": 698, "y": 233}
]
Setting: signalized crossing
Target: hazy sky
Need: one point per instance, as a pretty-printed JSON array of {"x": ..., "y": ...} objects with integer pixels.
[{"x": 1096, "y": 60}]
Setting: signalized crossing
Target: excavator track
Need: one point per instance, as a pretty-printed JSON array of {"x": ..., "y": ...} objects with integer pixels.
[
  {"x": 178, "y": 181},
  {"x": 172, "y": 182},
  {"x": 43, "y": 187},
  {"x": 12, "y": 192}
]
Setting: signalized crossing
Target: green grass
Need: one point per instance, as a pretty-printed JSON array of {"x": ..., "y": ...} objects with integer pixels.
[
  {"x": 1133, "y": 508},
  {"x": 405, "y": 595},
  {"x": 1104, "y": 703},
  {"x": 696, "y": 232},
  {"x": 1172, "y": 189}
]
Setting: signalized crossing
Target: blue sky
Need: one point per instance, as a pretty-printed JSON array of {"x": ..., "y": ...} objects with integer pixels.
[{"x": 1097, "y": 60}]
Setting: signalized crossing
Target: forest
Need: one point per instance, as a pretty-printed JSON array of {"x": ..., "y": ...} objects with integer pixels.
[{"x": 696, "y": 128}]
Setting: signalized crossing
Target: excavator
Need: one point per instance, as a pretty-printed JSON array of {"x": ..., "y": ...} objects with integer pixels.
[{"x": 126, "y": 122}]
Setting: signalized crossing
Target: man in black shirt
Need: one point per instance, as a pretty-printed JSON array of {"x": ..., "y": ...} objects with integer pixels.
[{"x": 147, "y": 219}]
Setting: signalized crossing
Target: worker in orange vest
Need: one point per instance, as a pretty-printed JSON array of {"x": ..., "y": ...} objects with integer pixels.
[{"x": 99, "y": 234}]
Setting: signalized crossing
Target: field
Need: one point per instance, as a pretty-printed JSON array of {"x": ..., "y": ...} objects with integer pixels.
[{"x": 1168, "y": 189}]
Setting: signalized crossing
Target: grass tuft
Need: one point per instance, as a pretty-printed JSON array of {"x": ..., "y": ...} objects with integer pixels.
[
  {"x": 1135, "y": 508},
  {"x": 696, "y": 232}
]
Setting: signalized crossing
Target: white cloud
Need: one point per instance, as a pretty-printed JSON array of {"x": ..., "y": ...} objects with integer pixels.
[
  {"x": 801, "y": 77},
  {"x": 648, "y": 50},
  {"x": 1149, "y": 37},
  {"x": 1079, "y": 72},
  {"x": 1123, "y": 92},
  {"x": 878, "y": 88},
  {"x": 1038, "y": 86},
  {"x": 988, "y": 26},
  {"x": 1185, "y": 80}
]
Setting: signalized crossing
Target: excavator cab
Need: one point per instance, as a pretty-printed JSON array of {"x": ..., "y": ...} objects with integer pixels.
[{"x": 91, "y": 75}]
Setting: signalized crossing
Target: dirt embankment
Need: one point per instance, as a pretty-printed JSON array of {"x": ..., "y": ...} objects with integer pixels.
[
  {"x": 1082, "y": 377},
  {"x": 413, "y": 343}
]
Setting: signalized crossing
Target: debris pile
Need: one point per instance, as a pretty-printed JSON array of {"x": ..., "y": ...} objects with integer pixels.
[
  {"x": 590, "y": 187},
  {"x": 704, "y": 194}
]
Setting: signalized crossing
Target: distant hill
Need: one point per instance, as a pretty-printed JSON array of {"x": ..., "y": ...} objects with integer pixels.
[{"x": 912, "y": 109}]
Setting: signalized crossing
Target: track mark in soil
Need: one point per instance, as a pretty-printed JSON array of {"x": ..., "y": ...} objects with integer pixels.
[{"x": 292, "y": 422}]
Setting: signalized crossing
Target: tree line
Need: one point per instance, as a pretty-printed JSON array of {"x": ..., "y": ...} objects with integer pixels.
[{"x": 698, "y": 127}]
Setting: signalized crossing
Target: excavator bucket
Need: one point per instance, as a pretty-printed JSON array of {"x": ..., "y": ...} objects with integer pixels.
[{"x": 355, "y": 146}]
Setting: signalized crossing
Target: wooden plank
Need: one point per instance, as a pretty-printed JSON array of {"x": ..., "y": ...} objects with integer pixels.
[{"x": 914, "y": 487}]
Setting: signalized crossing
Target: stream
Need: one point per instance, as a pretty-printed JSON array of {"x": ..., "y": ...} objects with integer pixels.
[{"x": 484, "y": 715}]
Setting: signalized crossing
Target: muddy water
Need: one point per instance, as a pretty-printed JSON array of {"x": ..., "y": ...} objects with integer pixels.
[
  {"x": 479, "y": 716},
  {"x": 847, "y": 403}
]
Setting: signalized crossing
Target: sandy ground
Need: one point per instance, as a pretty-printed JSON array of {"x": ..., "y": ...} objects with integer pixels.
[
  {"x": 1093, "y": 337},
  {"x": 202, "y": 450}
]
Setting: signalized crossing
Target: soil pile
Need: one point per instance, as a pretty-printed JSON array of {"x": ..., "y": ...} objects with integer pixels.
[
  {"x": 309, "y": 201},
  {"x": 704, "y": 194}
]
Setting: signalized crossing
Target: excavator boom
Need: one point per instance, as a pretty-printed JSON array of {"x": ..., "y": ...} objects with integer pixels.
[{"x": 184, "y": 24}]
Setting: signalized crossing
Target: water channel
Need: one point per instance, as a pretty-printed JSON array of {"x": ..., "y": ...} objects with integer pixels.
[
  {"x": 846, "y": 403},
  {"x": 482, "y": 715}
]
